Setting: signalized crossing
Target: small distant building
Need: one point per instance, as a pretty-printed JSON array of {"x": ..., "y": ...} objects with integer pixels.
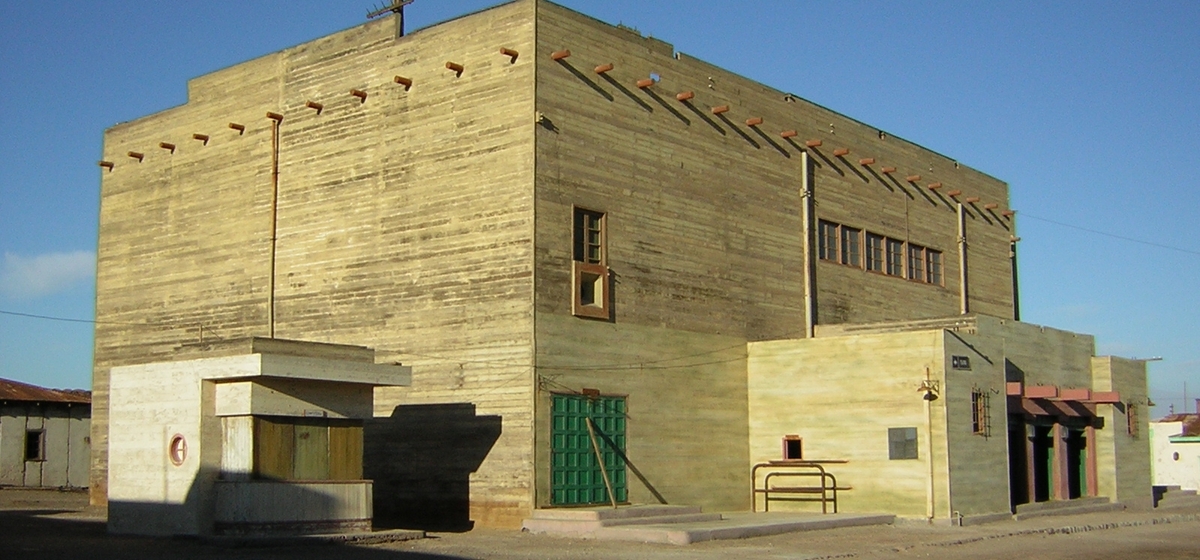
[
  {"x": 1175, "y": 450},
  {"x": 44, "y": 436}
]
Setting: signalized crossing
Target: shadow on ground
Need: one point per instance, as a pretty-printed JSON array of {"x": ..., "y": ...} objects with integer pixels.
[{"x": 45, "y": 534}]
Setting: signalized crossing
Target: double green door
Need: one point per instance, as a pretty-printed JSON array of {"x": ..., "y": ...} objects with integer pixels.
[{"x": 576, "y": 477}]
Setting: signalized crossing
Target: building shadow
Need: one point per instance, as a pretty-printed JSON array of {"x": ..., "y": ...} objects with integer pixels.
[{"x": 421, "y": 459}]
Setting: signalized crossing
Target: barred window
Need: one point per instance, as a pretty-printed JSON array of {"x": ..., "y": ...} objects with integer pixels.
[{"x": 981, "y": 413}]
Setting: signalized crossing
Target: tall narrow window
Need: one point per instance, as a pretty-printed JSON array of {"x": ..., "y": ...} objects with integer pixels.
[
  {"x": 933, "y": 262},
  {"x": 851, "y": 254},
  {"x": 895, "y": 257},
  {"x": 828, "y": 243},
  {"x": 589, "y": 271},
  {"x": 1132, "y": 420},
  {"x": 589, "y": 236},
  {"x": 916, "y": 263},
  {"x": 874, "y": 252},
  {"x": 980, "y": 412}
]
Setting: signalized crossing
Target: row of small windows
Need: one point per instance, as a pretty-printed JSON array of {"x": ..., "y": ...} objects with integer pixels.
[{"x": 877, "y": 253}]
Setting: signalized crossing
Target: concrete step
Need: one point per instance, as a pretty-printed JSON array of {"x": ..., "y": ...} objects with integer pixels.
[
  {"x": 1060, "y": 504},
  {"x": 1069, "y": 510},
  {"x": 1172, "y": 500},
  {"x": 740, "y": 526},
  {"x": 602, "y": 513}
]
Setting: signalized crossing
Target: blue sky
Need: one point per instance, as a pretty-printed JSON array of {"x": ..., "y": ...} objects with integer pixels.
[{"x": 1090, "y": 110}]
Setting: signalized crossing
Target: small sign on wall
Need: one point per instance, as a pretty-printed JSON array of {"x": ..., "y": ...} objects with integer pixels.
[{"x": 960, "y": 362}]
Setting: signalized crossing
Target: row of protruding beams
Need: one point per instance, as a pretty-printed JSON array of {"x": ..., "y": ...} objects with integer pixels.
[
  {"x": 686, "y": 96},
  {"x": 362, "y": 95}
]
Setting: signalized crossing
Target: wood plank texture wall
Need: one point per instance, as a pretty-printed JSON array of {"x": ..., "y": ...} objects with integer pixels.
[{"x": 404, "y": 221}]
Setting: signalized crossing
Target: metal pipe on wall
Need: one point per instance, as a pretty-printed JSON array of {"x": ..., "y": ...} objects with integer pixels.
[
  {"x": 274, "y": 221},
  {"x": 964, "y": 303},
  {"x": 810, "y": 272}
]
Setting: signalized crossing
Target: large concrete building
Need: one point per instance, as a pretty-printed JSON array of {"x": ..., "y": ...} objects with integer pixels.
[{"x": 555, "y": 221}]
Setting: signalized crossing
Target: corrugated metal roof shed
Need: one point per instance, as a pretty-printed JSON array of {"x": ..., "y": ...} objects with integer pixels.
[{"x": 23, "y": 392}]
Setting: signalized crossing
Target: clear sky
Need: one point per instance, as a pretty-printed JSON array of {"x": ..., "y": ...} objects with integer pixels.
[{"x": 1090, "y": 110}]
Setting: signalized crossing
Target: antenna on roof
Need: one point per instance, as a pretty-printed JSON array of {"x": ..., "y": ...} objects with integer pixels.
[{"x": 396, "y": 7}]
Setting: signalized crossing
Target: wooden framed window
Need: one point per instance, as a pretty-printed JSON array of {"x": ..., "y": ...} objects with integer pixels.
[
  {"x": 895, "y": 257},
  {"x": 874, "y": 252},
  {"x": 589, "y": 269},
  {"x": 916, "y": 262},
  {"x": 851, "y": 246},
  {"x": 981, "y": 413},
  {"x": 828, "y": 240},
  {"x": 793, "y": 447},
  {"x": 933, "y": 266}
]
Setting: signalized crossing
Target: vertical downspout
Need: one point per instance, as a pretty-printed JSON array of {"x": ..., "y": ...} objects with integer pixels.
[
  {"x": 1016, "y": 293},
  {"x": 274, "y": 219},
  {"x": 533, "y": 358},
  {"x": 810, "y": 272},
  {"x": 964, "y": 304},
  {"x": 930, "y": 505}
]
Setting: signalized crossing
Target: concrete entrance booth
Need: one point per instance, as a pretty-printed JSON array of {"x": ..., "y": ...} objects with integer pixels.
[{"x": 244, "y": 437}]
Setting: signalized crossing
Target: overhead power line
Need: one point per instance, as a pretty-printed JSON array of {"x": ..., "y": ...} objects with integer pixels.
[{"x": 1112, "y": 235}]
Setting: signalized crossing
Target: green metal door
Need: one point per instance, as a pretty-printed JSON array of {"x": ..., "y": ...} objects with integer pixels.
[{"x": 576, "y": 478}]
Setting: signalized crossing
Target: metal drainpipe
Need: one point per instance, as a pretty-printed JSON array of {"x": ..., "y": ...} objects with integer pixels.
[
  {"x": 930, "y": 506},
  {"x": 964, "y": 304},
  {"x": 274, "y": 221},
  {"x": 810, "y": 272},
  {"x": 1012, "y": 253}
]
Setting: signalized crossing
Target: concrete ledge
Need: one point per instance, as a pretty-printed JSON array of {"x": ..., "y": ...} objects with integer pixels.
[{"x": 375, "y": 537}]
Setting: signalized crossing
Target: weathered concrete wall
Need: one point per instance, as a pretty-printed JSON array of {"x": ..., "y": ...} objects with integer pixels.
[
  {"x": 704, "y": 211},
  {"x": 1173, "y": 464},
  {"x": 404, "y": 222},
  {"x": 686, "y": 426},
  {"x": 841, "y": 395},
  {"x": 66, "y": 448},
  {"x": 979, "y": 477},
  {"x": 1124, "y": 454}
]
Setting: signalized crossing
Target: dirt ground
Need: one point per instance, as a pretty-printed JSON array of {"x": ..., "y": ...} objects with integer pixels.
[{"x": 51, "y": 524}]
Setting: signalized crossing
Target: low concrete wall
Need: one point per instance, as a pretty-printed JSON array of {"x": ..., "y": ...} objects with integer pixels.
[{"x": 280, "y": 508}]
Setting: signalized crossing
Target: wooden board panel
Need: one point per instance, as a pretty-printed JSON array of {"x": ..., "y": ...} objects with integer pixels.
[
  {"x": 273, "y": 443},
  {"x": 311, "y": 459},
  {"x": 345, "y": 452}
]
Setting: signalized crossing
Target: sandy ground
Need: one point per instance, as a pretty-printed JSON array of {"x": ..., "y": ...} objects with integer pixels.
[{"x": 51, "y": 524}]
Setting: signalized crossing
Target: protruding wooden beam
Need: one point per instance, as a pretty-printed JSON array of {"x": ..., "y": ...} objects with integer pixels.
[
  {"x": 456, "y": 68},
  {"x": 913, "y": 178},
  {"x": 510, "y": 53},
  {"x": 754, "y": 121},
  {"x": 360, "y": 94},
  {"x": 167, "y": 146},
  {"x": 720, "y": 109},
  {"x": 274, "y": 116},
  {"x": 1008, "y": 213},
  {"x": 789, "y": 134},
  {"x": 559, "y": 55},
  {"x": 201, "y": 137},
  {"x": 813, "y": 143},
  {"x": 839, "y": 152},
  {"x": 645, "y": 83},
  {"x": 954, "y": 192},
  {"x": 241, "y": 128},
  {"x": 888, "y": 169},
  {"x": 314, "y": 106},
  {"x": 604, "y": 68},
  {"x": 867, "y": 161},
  {"x": 991, "y": 206},
  {"x": 971, "y": 199},
  {"x": 136, "y": 155},
  {"x": 106, "y": 164},
  {"x": 934, "y": 186},
  {"x": 406, "y": 82},
  {"x": 685, "y": 95}
]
